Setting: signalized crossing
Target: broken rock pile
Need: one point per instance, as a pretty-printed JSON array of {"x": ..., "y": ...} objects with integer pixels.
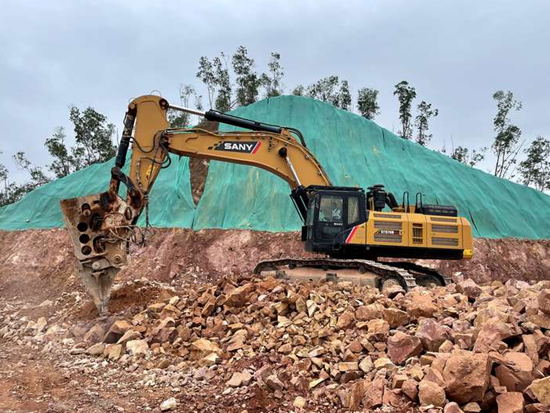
[{"x": 457, "y": 348}]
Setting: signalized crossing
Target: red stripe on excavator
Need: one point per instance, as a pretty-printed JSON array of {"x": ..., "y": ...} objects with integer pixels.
[
  {"x": 256, "y": 148},
  {"x": 351, "y": 234}
]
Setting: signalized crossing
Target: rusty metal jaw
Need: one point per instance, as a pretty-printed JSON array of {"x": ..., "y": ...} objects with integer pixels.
[{"x": 99, "y": 284}]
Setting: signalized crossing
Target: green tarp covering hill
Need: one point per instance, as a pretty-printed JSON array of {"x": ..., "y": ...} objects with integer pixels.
[{"x": 354, "y": 152}]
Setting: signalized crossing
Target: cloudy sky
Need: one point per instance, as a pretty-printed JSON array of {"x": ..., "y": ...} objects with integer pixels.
[{"x": 102, "y": 53}]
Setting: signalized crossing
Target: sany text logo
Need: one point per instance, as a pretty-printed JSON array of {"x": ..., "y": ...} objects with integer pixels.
[{"x": 236, "y": 146}]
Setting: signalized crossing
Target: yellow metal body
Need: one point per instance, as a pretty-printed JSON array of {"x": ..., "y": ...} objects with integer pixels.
[{"x": 395, "y": 229}]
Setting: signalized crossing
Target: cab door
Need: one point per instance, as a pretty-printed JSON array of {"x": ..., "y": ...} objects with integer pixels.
[
  {"x": 324, "y": 221},
  {"x": 330, "y": 218}
]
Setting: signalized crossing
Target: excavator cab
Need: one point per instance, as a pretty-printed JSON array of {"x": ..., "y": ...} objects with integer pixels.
[{"x": 331, "y": 212}]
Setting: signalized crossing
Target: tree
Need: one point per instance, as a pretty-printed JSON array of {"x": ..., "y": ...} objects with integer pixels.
[
  {"x": 248, "y": 81},
  {"x": 93, "y": 136},
  {"x": 405, "y": 95},
  {"x": 535, "y": 169},
  {"x": 198, "y": 102},
  {"x": 344, "y": 96},
  {"x": 463, "y": 155},
  {"x": 207, "y": 76},
  {"x": 425, "y": 112},
  {"x": 177, "y": 118},
  {"x": 38, "y": 177},
  {"x": 223, "y": 99},
  {"x": 506, "y": 143},
  {"x": 3, "y": 174},
  {"x": 325, "y": 89},
  {"x": 14, "y": 192},
  {"x": 64, "y": 162},
  {"x": 272, "y": 82},
  {"x": 216, "y": 76},
  {"x": 11, "y": 192},
  {"x": 299, "y": 90},
  {"x": 367, "y": 104},
  {"x": 330, "y": 89},
  {"x": 6, "y": 188}
]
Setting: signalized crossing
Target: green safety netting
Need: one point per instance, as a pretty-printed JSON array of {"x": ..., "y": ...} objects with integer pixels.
[
  {"x": 171, "y": 202},
  {"x": 354, "y": 152}
]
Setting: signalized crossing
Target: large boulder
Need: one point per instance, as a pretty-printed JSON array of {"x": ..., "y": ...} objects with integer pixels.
[
  {"x": 516, "y": 374},
  {"x": 117, "y": 330},
  {"x": 396, "y": 318},
  {"x": 402, "y": 346},
  {"x": 431, "y": 334},
  {"x": 136, "y": 347},
  {"x": 373, "y": 395},
  {"x": 540, "y": 390},
  {"x": 369, "y": 312},
  {"x": 469, "y": 288},
  {"x": 378, "y": 328},
  {"x": 239, "y": 296},
  {"x": 346, "y": 320},
  {"x": 421, "y": 304},
  {"x": 467, "y": 376},
  {"x": 510, "y": 402},
  {"x": 202, "y": 348},
  {"x": 452, "y": 407},
  {"x": 544, "y": 301},
  {"x": 430, "y": 393},
  {"x": 491, "y": 333}
]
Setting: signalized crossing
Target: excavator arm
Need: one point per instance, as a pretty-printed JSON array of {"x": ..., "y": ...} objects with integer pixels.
[{"x": 103, "y": 225}]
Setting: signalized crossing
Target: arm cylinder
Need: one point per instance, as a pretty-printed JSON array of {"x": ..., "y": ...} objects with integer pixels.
[{"x": 216, "y": 116}]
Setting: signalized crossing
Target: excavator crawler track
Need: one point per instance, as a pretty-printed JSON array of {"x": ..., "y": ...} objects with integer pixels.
[
  {"x": 402, "y": 273},
  {"x": 426, "y": 272}
]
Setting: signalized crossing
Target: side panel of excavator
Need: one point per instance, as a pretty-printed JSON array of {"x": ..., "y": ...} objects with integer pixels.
[{"x": 426, "y": 234}]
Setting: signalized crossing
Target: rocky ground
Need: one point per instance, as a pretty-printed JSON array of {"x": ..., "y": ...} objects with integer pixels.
[{"x": 202, "y": 334}]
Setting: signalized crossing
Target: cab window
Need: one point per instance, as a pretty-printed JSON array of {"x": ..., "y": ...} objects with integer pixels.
[
  {"x": 353, "y": 209},
  {"x": 331, "y": 208},
  {"x": 311, "y": 211}
]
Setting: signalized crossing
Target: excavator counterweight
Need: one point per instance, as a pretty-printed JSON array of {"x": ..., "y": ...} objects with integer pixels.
[{"x": 352, "y": 227}]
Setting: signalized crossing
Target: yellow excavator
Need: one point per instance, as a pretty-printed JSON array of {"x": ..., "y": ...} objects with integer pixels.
[{"x": 350, "y": 227}]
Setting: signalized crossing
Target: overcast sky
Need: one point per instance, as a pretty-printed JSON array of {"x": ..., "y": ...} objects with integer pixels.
[{"x": 102, "y": 53}]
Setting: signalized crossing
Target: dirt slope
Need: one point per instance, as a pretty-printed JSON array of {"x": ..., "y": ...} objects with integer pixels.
[{"x": 40, "y": 261}]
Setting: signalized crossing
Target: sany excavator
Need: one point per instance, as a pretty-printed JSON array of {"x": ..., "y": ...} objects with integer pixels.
[{"x": 351, "y": 227}]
